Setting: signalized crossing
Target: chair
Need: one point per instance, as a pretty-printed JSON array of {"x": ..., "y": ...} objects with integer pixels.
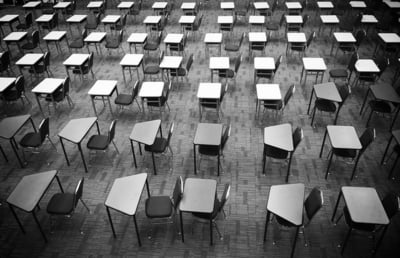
[
  {"x": 274, "y": 25},
  {"x": 396, "y": 149},
  {"x": 53, "y": 23},
  {"x": 241, "y": 10},
  {"x": 216, "y": 151},
  {"x": 127, "y": 99},
  {"x": 345, "y": 73},
  {"x": 5, "y": 63},
  {"x": 101, "y": 142},
  {"x": 159, "y": 207},
  {"x": 180, "y": 48},
  {"x": 27, "y": 24},
  {"x": 162, "y": 25},
  {"x": 32, "y": 43},
  {"x": 233, "y": 45},
  {"x": 150, "y": 67},
  {"x": 70, "y": 10},
  {"x": 218, "y": 209},
  {"x": 85, "y": 68},
  {"x": 366, "y": 139},
  {"x": 279, "y": 105},
  {"x": 349, "y": 23},
  {"x": 121, "y": 26},
  {"x": 329, "y": 106},
  {"x": 213, "y": 103},
  {"x": 270, "y": 12},
  {"x": 34, "y": 140},
  {"x": 135, "y": 11},
  {"x": 183, "y": 71},
  {"x": 13, "y": 94},
  {"x": 162, "y": 101},
  {"x": 276, "y": 153},
  {"x": 363, "y": 78},
  {"x": 300, "y": 47},
  {"x": 268, "y": 74},
  {"x": 153, "y": 44},
  {"x": 391, "y": 206},
  {"x": 60, "y": 94},
  {"x": 93, "y": 22},
  {"x": 161, "y": 145},
  {"x": 78, "y": 43},
  {"x": 115, "y": 41},
  {"x": 43, "y": 67},
  {"x": 196, "y": 26},
  {"x": 64, "y": 204},
  {"x": 231, "y": 74},
  {"x": 351, "y": 48}
]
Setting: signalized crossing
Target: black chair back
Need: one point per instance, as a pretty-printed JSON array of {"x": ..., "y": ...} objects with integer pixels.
[
  {"x": 344, "y": 92},
  {"x": 135, "y": 89},
  {"x": 224, "y": 92},
  {"x": 282, "y": 20},
  {"x": 78, "y": 191},
  {"x": 278, "y": 63},
  {"x": 314, "y": 202},
  {"x": 352, "y": 62},
  {"x": 111, "y": 131},
  {"x": 310, "y": 39},
  {"x": 90, "y": 62},
  {"x": 20, "y": 85},
  {"x": 177, "y": 193},
  {"x": 382, "y": 63},
  {"x": 46, "y": 59},
  {"x": 305, "y": 19},
  {"x": 189, "y": 63},
  {"x": 120, "y": 36},
  {"x": 35, "y": 38},
  {"x": 289, "y": 95},
  {"x": 391, "y": 204},
  {"x": 170, "y": 132},
  {"x": 225, "y": 136},
  {"x": 367, "y": 138},
  {"x": 238, "y": 61},
  {"x": 360, "y": 36},
  {"x": 66, "y": 86},
  {"x": 198, "y": 23},
  {"x": 28, "y": 19},
  {"x": 44, "y": 129},
  {"x": 84, "y": 34},
  {"x": 5, "y": 61},
  {"x": 274, "y": 6},
  {"x": 224, "y": 197},
  {"x": 123, "y": 20},
  {"x": 297, "y": 137}
]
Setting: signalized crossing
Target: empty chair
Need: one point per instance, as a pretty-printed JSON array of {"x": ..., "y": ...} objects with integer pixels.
[
  {"x": 241, "y": 10},
  {"x": 85, "y": 68},
  {"x": 115, "y": 41},
  {"x": 196, "y": 26},
  {"x": 259, "y": 46},
  {"x": 32, "y": 43},
  {"x": 276, "y": 153},
  {"x": 53, "y": 23},
  {"x": 301, "y": 47},
  {"x": 153, "y": 43},
  {"x": 27, "y": 24},
  {"x": 78, "y": 43},
  {"x": 268, "y": 74},
  {"x": 13, "y": 94},
  {"x": 34, "y": 140},
  {"x": 365, "y": 139},
  {"x": 279, "y": 105},
  {"x": 60, "y": 95},
  {"x": 183, "y": 71},
  {"x": 123, "y": 99},
  {"x": 160, "y": 146},
  {"x": 64, "y": 204},
  {"x": 218, "y": 209},
  {"x": 162, "y": 101},
  {"x": 43, "y": 67},
  {"x": 213, "y": 103},
  {"x": 100, "y": 142},
  {"x": 93, "y": 22},
  {"x": 275, "y": 25},
  {"x": 345, "y": 74},
  {"x": 330, "y": 106},
  {"x": 135, "y": 11},
  {"x": 5, "y": 63},
  {"x": 231, "y": 74},
  {"x": 122, "y": 25},
  {"x": 160, "y": 207},
  {"x": 216, "y": 151},
  {"x": 152, "y": 67},
  {"x": 180, "y": 47},
  {"x": 350, "y": 48},
  {"x": 70, "y": 10},
  {"x": 233, "y": 45},
  {"x": 362, "y": 78}
]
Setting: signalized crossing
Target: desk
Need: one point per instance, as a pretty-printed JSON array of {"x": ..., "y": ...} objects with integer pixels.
[
  {"x": 173, "y": 39},
  {"x": 28, "y": 193},
  {"x": 45, "y": 19},
  {"x": 76, "y": 60},
  {"x": 313, "y": 65},
  {"x": 77, "y": 19},
  {"x": 344, "y": 38},
  {"x": 95, "y": 5},
  {"x": 170, "y": 63},
  {"x": 131, "y": 61},
  {"x": 186, "y": 22},
  {"x": 387, "y": 41},
  {"x": 209, "y": 91},
  {"x": 207, "y": 134},
  {"x": 364, "y": 207},
  {"x": 325, "y": 5},
  {"x": 29, "y": 60},
  {"x": 136, "y": 38},
  {"x": 9, "y": 127},
  {"x": 257, "y": 40},
  {"x": 293, "y": 22},
  {"x": 267, "y": 92},
  {"x": 279, "y": 136},
  {"x": 326, "y": 91},
  {"x": 6, "y": 82},
  {"x": 145, "y": 133},
  {"x": 295, "y": 38},
  {"x": 357, "y": 4},
  {"x": 95, "y": 38},
  {"x": 366, "y": 66},
  {"x": 103, "y": 89},
  {"x": 55, "y": 36},
  {"x": 74, "y": 131},
  {"x": 8, "y": 19},
  {"x": 159, "y": 7},
  {"x": 152, "y": 21},
  {"x": 189, "y": 8},
  {"x": 15, "y": 37},
  {"x": 218, "y": 63},
  {"x": 263, "y": 65},
  {"x": 111, "y": 20},
  {"x": 124, "y": 197},
  {"x": 225, "y": 22},
  {"x": 47, "y": 87},
  {"x": 151, "y": 90},
  {"x": 395, "y": 135},
  {"x": 213, "y": 39},
  {"x": 341, "y": 137},
  {"x": 198, "y": 196},
  {"x": 125, "y": 5},
  {"x": 286, "y": 201},
  {"x": 328, "y": 20},
  {"x": 260, "y": 6},
  {"x": 293, "y": 7},
  {"x": 256, "y": 20}
]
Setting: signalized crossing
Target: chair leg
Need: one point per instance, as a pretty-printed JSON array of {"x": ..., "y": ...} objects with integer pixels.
[
  {"x": 313, "y": 115},
  {"x": 345, "y": 241},
  {"x": 48, "y": 137},
  {"x": 369, "y": 117},
  {"x": 219, "y": 233},
  {"x": 84, "y": 204},
  {"x": 329, "y": 165},
  {"x": 115, "y": 146}
]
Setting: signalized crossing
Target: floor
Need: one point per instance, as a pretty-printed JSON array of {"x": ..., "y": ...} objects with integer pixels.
[{"x": 246, "y": 209}]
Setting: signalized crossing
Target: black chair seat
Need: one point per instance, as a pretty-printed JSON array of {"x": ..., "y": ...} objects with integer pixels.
[
  {"x": 227, "y": 73},
  {"x": 85, "y": 70},
  {"x": 346, "y": 153},
  {"x": 11, "y": 95},
  {"x": 57, "y": 96},
  {"x": 76, "y": 44},
  {"x": 38, "y": 69},
  {"x": 380, "y": 106},
  {"x": 152, "y": 69},
  {"x": 273, "y": 104},
  {"x": 156, "y": 102},
  {"x": 22, "y": 26},
  {"x": 181, "y": 72},
  {"x": 325, "y": 105},
  {"x": 151, "y": 46},
  {"x": 207, "y": 215},
  {"x": 283, "y": 222},
  {"x": 258, "y": 47},
  {"x": 61, "y": 203},
  {"x": 232, "y": 47},
  {"x": 275, "y": 153},
  {"x": 273, "y": 26},
  {"x": 209, "y": 150},
  {"x": 347, "y": 48},
  {"x": 338, "y": 73},
  {"x": 32, "y": 140},
  {"x": 112, "y": 43},
  {"x": 297, "y": 47},
  {"x": 124, "y": 99},
  {"x": 358, "y": 226},
  {"x": 28, "y": 46},
  {"x": 98, "y": 142},
  {"x": 158, "y": 146},
  {"x": 158, "y": 207}
]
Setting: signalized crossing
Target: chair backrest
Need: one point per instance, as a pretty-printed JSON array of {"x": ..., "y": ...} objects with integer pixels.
[
  {"x": 166, "y": 93},
  {"x": 360, "y": 35},
  {"x": 5, "y": 60},
  {"x": 161, "y": 56},
  {"x": 90, "y": 62},
  {"x": 225, "y": 136},
  {"x": 391, "y": 204},
  {"x": 66, "y": 86},
  {"x": 310, "y": 39},
  {"x": 238, "y": 61},
  {"x": 382, "y": 63},
  {"x": 97, "y": 19},
  {"x": 344, "y": 92},
  {"x": 20, "y": 84},
  {"x": 223, "y": 92},
  {"x": 289, "y": 95},
  {"x": 159, "y": 38},
  {"x": 54, "y": 21},
  {"x": 84, "y": 34},
  {"x": 367, "y": 138},
  {"x": 120, "y": 36},
  {"x": 78, "y": 191},
  {"x": 274, "y": 6},
  {"x": 46, "y": 59},
  {"x": 224, "y": 197},
  {"x": 197, "y": 25},
  {"x": 314, "y": 202},
  {"x": 282, "y": 20},
  {"x": 241, "y": 39},
  {"x": 135, "y": 89},
  {"x": 278, "y": 63},
  {"x": 189, "y": 63},
  {"x": 297, "y": 137},
  {"x": 123, "y": 20},
  {"x": 177, "y": 194},
  {"x": 305, "y": 19},
  {"x": 352, "y": 62},
  {"x": 357, "y": 20},
  {"x": 170, "y": 132},
  {"x": 35, "y": 37},
  {"x": 111, "y": 130},
  {"x": 44, "y": 129},
  {"x": 28, "y": 19}
]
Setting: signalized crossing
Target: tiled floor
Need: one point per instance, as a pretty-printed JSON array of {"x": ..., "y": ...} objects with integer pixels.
[{"x": 246, "y": 209}]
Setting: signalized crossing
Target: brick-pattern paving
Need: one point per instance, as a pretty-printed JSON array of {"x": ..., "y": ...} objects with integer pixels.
[{"x": 246, "y": 209}]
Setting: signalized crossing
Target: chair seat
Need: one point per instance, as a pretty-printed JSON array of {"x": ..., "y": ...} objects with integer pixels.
[
  {"x": 28, "y": 46},
  {"x": 76, "y": 44},
  {"x": 346, "y": 153},
  {"x": 275, "y": 153},
  {"x": 113, "y": 43},
  {"x": 158, "y": 146},
  {"x": 11, "y": 95},
  {"x": 338, "y": 73},
  {"x": 61, "y": 203},
  {"x": 283, "y": 222},
  {"x": 85, "y": 70},
  {"x": 207, "y": 215},
  {"x": 152, "y": 69},
  {"x": 22, "y": 26},
  {"x": 31, "y": 140},
  {"x": 91, "y": 26},
  {"x": 158, "y": 207},
  {"x": 38, "y": 69},
  {"x": 98, "y": 142},
  {"x": 232, "y": 47},
  {"x": 209, "y": 150},
  {"x": 181, "y": 72},
  {"x": 124, "y": 99},
  {"x": 273, "y": 104},
  {"x": 258, "y": 47},
  {"x": 325, "y": 105},
  {"x": 227, "y": 73},
  {"x": 151, "y": 46},
  {"x": 380, "y": 106},
  {"x": 57, "y": 96},
  {"x": 273, "y": 26},
  {"x": 355, "y": 225}
]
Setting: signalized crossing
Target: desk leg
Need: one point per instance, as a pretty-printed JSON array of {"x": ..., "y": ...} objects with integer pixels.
[
  {"x": 294, "y": 242},
  {"x": 13, "y": 145},
  {"x": 123, "y": 75},
  {"x": 137, "y": 230},
  {"x": 394, "y": 118},
  {"x": 336, "y": 205},
  {"x": 82, "y": 156},
  {"x": 301, "y": 76},
  {"x": 323, "y": 143},
  {"x": 148, "y": 189},
  {"x": 40, "y": 106},
  {"x": 219, "y": 162},
  {"x": 40, "y": 228},
  {"x": 16, "y": 218},
  {"x": 133, "y": 153},
  {"x": 194, "y": 158},
  {"x": 111, "y": 223},
  {"x": 393, "y": 166},
  {"x": 386, "y": 150},
  {"x": 140, "y": 149},
  {"x": 365, "y": 100},
  {"x": 59, "y": 184},
  {"x": 94, "y": 106},
  {"x": 4, "y": 155},
  {"x": 266, "y": 225},
  {"x": 154, "y": 163},
  {"x": 380, "y": 240},
  {"x": 309, "y": 103},
  {"x": 109, "y": 105},
  {"x": 211, "y": 231},
  {"x": 180, "y": 215},
  {"x": 65, "y": 153}
]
